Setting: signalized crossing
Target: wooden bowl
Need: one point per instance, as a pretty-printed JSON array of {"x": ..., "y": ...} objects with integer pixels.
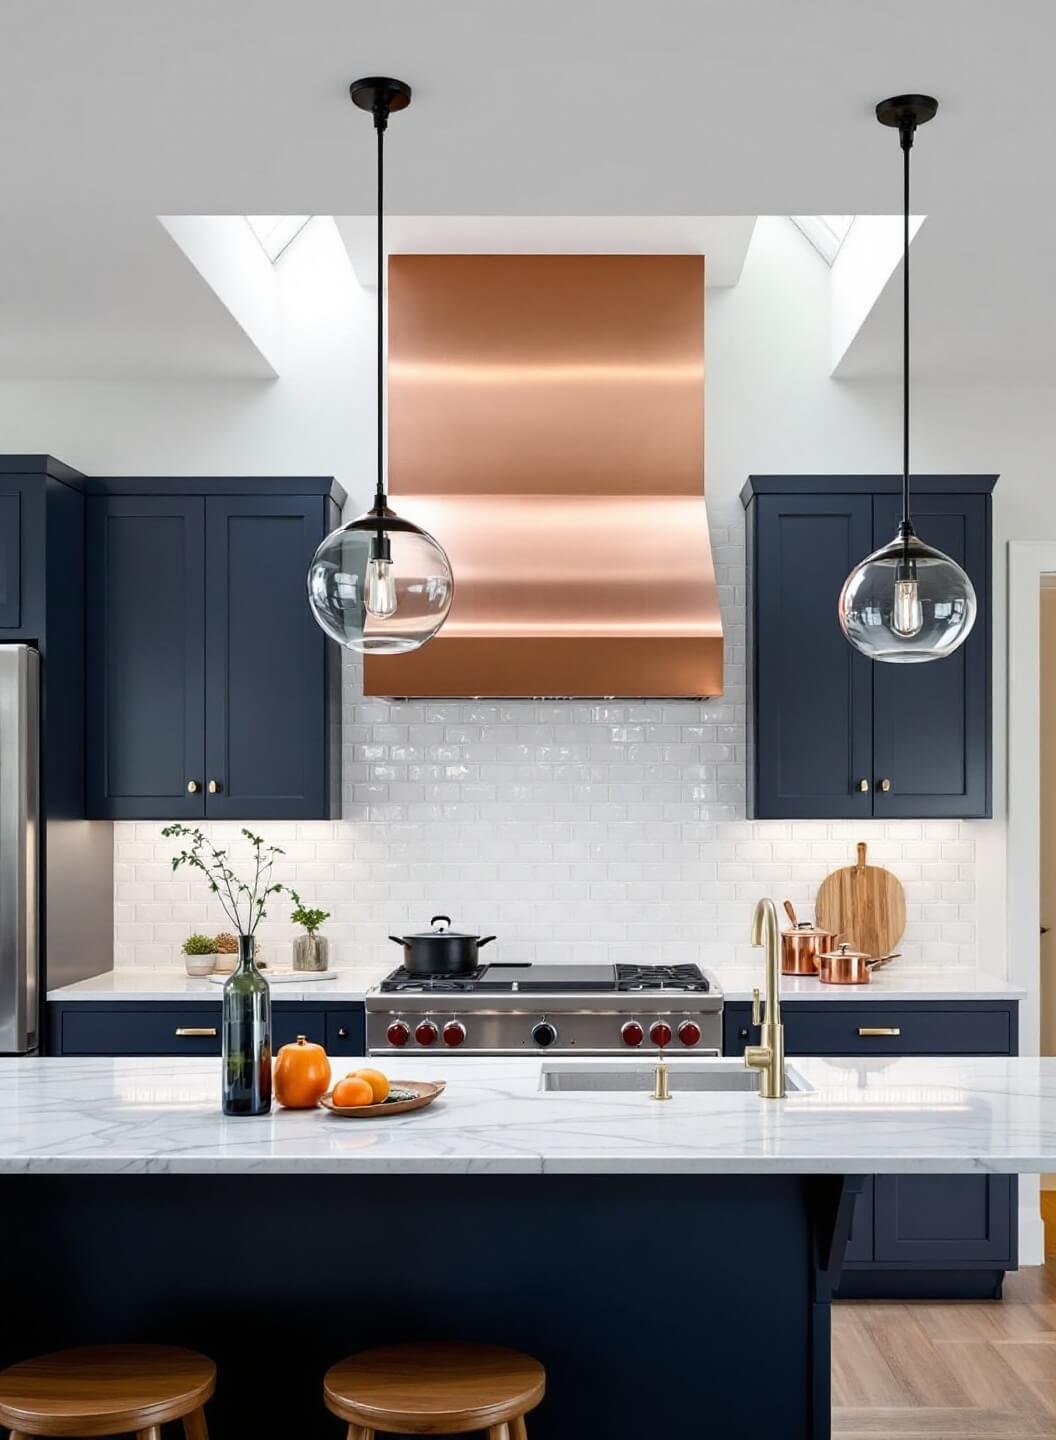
[{"x": 423, "y": 1093}]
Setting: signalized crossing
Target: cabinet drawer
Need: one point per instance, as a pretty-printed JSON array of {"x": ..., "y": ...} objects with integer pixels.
[
  {"x": 346, "y": 1031},
  {"x": 141, "y": 1032},
  {"x": 820, "y": 1028},
  {"x": 879, "y": 1030},
  {"x": 170, "y": 1030}
]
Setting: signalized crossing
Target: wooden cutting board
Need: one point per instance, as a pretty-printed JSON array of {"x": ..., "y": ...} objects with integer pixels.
[{"x": 865, "y": 905}]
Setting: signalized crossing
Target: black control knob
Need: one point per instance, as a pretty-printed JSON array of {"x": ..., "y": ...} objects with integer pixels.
[{"x": 544, "y": 1033}]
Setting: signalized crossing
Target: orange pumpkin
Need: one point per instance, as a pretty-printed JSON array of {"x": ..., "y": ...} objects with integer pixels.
[{"x": 302, "y": 1074}]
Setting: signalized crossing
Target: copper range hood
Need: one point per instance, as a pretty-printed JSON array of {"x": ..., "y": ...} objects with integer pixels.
[{"x": 546, "y": 424}]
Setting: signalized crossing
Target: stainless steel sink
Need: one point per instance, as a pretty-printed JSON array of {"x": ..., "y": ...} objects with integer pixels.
[{"x": 637, "y": 1076}]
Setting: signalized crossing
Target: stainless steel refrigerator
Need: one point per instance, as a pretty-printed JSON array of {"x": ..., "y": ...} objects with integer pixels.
[{"x": 20, "y": 829}]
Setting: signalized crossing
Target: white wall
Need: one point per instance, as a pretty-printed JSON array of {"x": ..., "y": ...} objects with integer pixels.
[{"x": 572, "y": 829}]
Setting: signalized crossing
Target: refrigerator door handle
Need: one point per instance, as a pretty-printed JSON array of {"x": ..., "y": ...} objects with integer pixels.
[{"x": 19, "y": 848}]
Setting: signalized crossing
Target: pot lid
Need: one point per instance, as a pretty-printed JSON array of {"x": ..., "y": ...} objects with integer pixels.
[
  {"x": 844, "y": 952},
  {"x": 804, "y": 927},
  {"x": 441, "y": 931}
]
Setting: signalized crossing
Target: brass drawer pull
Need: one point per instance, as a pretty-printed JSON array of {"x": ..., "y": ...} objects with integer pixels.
[
  {"x": 867, "y": 1030},
  {"x": 195, "y": 1032}
]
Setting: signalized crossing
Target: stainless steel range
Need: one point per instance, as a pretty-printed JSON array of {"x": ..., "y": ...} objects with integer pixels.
[{"x": 558, "y": 1009}]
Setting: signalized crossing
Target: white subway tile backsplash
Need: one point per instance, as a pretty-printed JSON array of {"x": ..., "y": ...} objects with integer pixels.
[{"x": 578, "y": 830}]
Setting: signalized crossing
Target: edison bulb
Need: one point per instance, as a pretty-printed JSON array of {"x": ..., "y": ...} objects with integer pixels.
[{"x": 381, "y": 588}]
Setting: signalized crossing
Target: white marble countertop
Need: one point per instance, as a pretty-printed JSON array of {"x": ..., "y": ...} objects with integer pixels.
[
  {"x": 349, "y": 983},
  {"x": 938, "y": 1116},
  {"x": 891, "y": 982}
]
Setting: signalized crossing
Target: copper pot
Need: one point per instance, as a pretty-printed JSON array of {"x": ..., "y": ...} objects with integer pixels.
[
  {"x": 802, "y": 945},
  {"x": 844, "y": 966}
]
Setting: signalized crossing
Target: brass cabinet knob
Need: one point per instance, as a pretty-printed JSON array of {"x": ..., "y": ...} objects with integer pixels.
[
  {"x": 863, "y": 786},
  {"x": 215, "y": 787},
  {"x": 193, "y": 787},
  {"x": 885, "y": 786}
]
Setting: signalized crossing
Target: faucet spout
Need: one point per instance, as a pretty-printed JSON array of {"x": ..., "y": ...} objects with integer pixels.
[{"x": 768, "y": 1057}]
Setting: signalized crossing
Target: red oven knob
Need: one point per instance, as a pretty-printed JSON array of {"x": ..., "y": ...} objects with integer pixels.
[
  {"x": 660, "y": 1033},
  {"x": 632, "y": 1033},
  {"x": 426, "y": 1032},
  {"x": 689, "y": 1032},
  {"x": 454, "y": 1032},
  {"x": 398, "y": 1033}
]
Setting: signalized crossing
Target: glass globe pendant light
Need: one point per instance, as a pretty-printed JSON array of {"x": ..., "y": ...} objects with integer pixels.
[
  {"x": 907, "y": 602},
  {"x": 380, "y": 584}
]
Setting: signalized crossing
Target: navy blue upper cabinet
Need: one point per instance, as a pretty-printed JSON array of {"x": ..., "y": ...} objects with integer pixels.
[
  {"x": 212, "y": 693},
  {"x": 265, "y": 660},
  {"x": 146, "y": 680},
  {"x": 831, "y": 733},
  {"x": 10, "y": 556}
]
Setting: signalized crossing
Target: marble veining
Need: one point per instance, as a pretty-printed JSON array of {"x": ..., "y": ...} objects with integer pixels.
[
  {"x": 123, "y": 986},
  {"x": 926, "y": 1115}
]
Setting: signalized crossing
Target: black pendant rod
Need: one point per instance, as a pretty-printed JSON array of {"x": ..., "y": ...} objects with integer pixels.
[
  {"x": 906, "y": 130},
  {"x": 381, "y": 120}
]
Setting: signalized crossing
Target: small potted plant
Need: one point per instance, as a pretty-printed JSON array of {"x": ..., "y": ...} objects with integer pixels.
[
  {"x": 199, "y": 954},
  {"x": 311, "y": 951}
]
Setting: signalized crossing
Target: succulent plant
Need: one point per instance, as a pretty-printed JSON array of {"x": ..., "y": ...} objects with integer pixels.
[
  {"x": 226, "y": 943},
  {"x": 200, "y": 945}
]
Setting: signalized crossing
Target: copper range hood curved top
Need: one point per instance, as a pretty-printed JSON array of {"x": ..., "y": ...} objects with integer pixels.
[{"x": 546, "y": 424}]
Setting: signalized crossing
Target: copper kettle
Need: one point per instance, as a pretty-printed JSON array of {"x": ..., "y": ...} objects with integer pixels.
[{"x": 803, "y": 945}]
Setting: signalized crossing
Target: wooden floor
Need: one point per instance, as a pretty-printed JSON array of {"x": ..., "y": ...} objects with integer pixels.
[{"x": 984, "y": 1370}]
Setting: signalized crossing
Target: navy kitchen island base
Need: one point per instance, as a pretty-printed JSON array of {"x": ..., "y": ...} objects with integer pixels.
[{"x": 682, "y": 1306}]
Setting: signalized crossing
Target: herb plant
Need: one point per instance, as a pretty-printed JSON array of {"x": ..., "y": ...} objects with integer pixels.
[
  {"x": 199, "y": 945},
  {"x": 244, "y": 905},
  {"x": 303, "y": 915}
]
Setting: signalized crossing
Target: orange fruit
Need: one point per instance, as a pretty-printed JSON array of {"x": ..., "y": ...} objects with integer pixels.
[
  {"x": 352, "y": 1091},
  {"x": 378, "y": 1083}
]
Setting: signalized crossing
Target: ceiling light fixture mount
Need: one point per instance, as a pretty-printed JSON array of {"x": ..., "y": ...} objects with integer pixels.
[
  {"x": 380, "y": 584},
  {"x": 907, "y": 602}
]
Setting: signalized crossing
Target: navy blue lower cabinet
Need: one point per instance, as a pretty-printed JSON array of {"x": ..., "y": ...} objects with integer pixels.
[
  {"x": 831, "y": 733},
  {"x": 912, "y": 1236},
  {"x": 149, "y": 1028}
]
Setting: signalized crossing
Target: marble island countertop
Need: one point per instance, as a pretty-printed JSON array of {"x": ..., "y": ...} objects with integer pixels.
[
  {"x": 855, "y": 1116},
  {"x": 350, "y": 984}
]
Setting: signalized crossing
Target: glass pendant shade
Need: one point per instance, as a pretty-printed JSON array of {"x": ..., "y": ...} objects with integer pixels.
[
  {"x": 380, "y": 585},
  {"x": 907, "y": 603}
]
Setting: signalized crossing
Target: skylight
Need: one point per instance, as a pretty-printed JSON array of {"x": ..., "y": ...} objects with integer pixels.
[
  {"x": 825, "y": 232},
  {"x": 276, "y": 232}
]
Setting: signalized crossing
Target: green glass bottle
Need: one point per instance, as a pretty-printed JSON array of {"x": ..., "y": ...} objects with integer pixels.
[{"x": 247, "y": 1037}]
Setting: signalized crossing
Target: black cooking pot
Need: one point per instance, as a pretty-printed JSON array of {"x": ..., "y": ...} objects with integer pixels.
[{"x": 440, "y": 951}]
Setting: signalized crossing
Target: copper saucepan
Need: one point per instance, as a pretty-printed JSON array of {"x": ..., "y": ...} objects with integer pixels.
[
  {"x": 844, "y": 966},
  {"x": 802, "y": 946}
]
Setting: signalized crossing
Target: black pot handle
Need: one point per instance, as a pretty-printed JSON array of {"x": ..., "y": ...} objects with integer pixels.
[
  {"x": 397, "y": 939},
  {"x": 486, "y": 941},
  {"x": 435, "y": 918}
]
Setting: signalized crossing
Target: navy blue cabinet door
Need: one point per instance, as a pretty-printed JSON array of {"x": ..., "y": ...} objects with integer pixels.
[
  {"x": 811, "y": 692},
  {"x": 10, "y": 559},
  {"x": 265, "y": 657},
  {"x": 145, "y": 674},
  {"x": 941, "y": 1220},
  {"x": 931, "y": 723}
]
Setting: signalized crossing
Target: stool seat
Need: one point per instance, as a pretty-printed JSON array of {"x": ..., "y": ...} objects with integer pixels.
[
  {"x": 104, "y": 1390},
  {"x": 435, "y": 1388}
]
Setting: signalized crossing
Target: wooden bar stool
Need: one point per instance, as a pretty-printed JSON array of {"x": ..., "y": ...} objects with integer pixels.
[
  {"x": 107, "y": 1390},
  {"x": 435, "y": 1388}
]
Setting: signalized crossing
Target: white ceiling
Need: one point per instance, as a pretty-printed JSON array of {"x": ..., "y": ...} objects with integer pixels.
[
  {"x": 722, "y": 238},
  {"x": 660, "y": 108},
  {"x": 99, "y": 299}
]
